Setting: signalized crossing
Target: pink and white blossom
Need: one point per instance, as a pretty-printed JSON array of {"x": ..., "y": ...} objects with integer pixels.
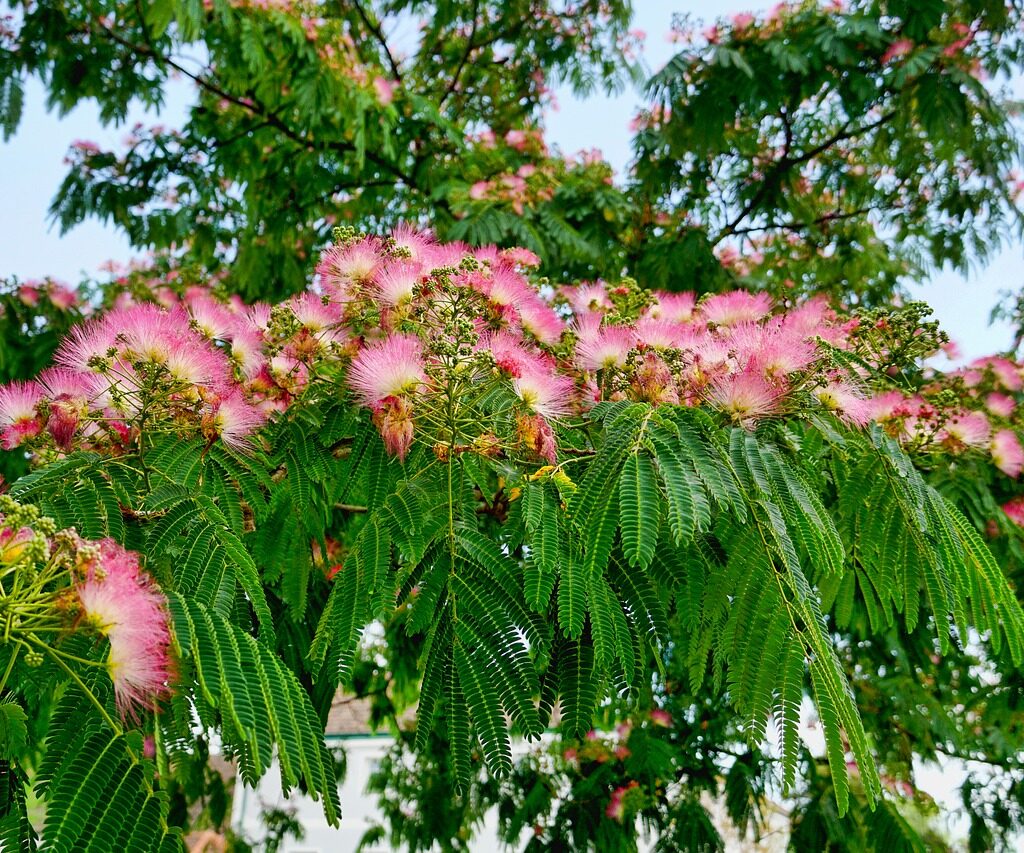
[
  {"x": 608, "y": 348},
  {"x": 968, "y": 429},
  {"x": 120, "y": 602},
  {"x": 392, "y": 367},
  {"x": 233, "y": 420},
  {"x": 1007, "y": 453},
  {"x": 19, "y": 419},
  {"x": 543, "y": 391},
  {"x": 746, "y": 397},
  {"x": 396, "y": 280},
  {"x": 734, "y": 307}
]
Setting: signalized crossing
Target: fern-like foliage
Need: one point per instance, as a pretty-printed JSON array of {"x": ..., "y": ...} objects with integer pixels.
[
  {"x": 569, "y": 599},
  {"x": 100, "y": 792},
  {"x": 256, "y": 703},
  {"x": 522, "y": 591}
]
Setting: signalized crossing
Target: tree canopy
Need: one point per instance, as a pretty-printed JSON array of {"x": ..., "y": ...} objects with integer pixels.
[{"x": 659, "y": 462}]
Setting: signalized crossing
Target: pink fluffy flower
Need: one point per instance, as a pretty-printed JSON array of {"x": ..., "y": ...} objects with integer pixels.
[
  {"x": 86, "y": 345},
  {"x": 479, "y": 190},
  {"x": 19, "y": 420},
  {"x": 290, "y": 373},
  {"x": 247, "y": 352},
  {"x": 887, "y": 405},
  {"x": 342, "y": 267},
  {"x": 1000, "y": 404},
  {"x": 813, "y": 317},
  {"x": 587, "y": 297},
  {"x": 661, "y": 718},
  {"x": 542, "y": 390},
  {"x": 970, "y": 429},
  {"x": 444, "y": 255},
  {"x": 211, "y": 317},
  {"x": 396, "y": 281},
  {"x": 412, "y": 241},
  {"x": 507, "y": 350},
  {"x": 148, "y": 332},
  {"x": 232, "y": 420},
  {"x": 392, "y": 367},
  {"x": 540, "y": 319},
  {"x": 519, "y": 256},
  {"x": 312, "y": 313},
  {"x": 506, "y": 287},
  {"x": 192, "y": 361},
  {"x": 773, "y": 350},
  {"x": 607, "y": 348},
  {"x": 1004, "y": 370},
  {"x": 844, "y": 401},
  {"x": 676, "y": 307},
  {"x": 1014, "y": 510},
  {"x": 122, "y": 603},
  {"x": 736, "y": 306},
  {"x": 61, "y": 296},
  {"x": 1007, "y": 453},
  {"x": 258, "y": 316},
  {"x": 746, "y": 397},
  {"x": 616, "y": 808},
  {"x": 28, "y": 293},
  {"x": 660, "y": 333}
]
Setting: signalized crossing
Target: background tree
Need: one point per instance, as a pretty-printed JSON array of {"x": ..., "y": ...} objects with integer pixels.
[
  {"x": 813, "y": 150},
  {"x": 309, "y": 116},
  {"x": 848, "y": 145}
]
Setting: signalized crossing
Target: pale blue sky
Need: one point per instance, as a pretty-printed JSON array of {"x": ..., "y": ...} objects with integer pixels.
[{"x": 31, "y": 247}]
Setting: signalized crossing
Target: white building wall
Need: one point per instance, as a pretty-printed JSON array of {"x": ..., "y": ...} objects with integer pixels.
[{"x": 359, "y": 809}]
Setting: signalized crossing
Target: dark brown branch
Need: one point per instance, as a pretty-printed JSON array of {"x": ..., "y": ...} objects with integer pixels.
[
  {"x": 252, "y": 105},
  {"x": 470, "y": 47},
  {"x": 378, "y": 33},
  {"x": 787, "y": 162},
  {"x": 837, "y": 216}
]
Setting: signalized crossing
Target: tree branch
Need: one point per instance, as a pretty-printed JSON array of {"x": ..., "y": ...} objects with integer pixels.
[
  {"x": 799, "y": 226},
  {"x": 787, "y": 162},
  {"x": 378, "y": 33},
  {"x": 251, "y": 104},
  {"x": 470, "y": 47}
]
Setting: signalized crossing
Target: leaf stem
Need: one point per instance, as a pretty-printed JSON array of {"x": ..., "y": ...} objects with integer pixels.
[
  {"x": 77, "y": 679},
  {"x": 10, "y": 668}
]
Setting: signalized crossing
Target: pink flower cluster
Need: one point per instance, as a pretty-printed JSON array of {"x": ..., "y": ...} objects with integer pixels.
[
  {"x": 522, "y": 173},
  {"x": 59, "y": 295},
  {"x": 514, "y": 189},
  {"x": 619, "y": 804},
  {"x": 985, "y": 418},
  {"x": 389, "y": 295},
  {"x": 193, "y": 366},
  {"x": 402, "y": 320},
  {"x": 729, "y": 352},
  {"x": 119, "y": 601}
]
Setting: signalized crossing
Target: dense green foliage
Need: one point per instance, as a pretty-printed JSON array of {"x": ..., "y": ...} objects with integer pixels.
[
  {"x": 688, "y": 578},
  {"x": 844, "y": 147}
]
